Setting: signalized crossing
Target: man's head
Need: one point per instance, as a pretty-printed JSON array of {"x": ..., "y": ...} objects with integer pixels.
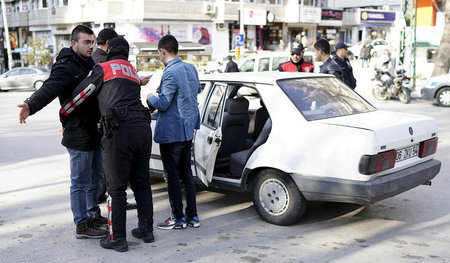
[
  {"x": 229, "y": 58},
  {"x": 118, "y": 46},
  {"x": 167, "y": 48},
  {"x": 341, "y": 50},
  {"x": 322, "y": 49},
  {"x": 105, "y": 36},
  {"x": 82, "y": 41},
  {"x": 297, "y": 52}
]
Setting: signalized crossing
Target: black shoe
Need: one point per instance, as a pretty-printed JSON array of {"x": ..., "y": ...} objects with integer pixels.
[
  {"x": 119, "y": 244},
  {"x": 145, "y": 235},
  {"x": 98, "y": 221},
  {"x": 87, "y": 230},
  {"x": 131, "y": 206}
]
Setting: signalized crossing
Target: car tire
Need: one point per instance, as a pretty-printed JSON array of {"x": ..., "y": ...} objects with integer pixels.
[
  {"x": 443, "y": 97},
  {"x": 374, "y": 54},
  {"x": 37, "y": 84},
  {"x": 277, "y": 198}
]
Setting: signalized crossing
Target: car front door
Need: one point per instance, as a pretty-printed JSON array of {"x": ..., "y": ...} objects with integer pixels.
[{"x": 209, "y": 137}]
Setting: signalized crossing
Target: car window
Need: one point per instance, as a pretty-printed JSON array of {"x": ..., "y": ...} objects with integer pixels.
[
  {"x": 212, "y": 114},
  {"x": 277, "y": 61},
  {"x": 27, "y": 71},
  {"x": 321, "y": 98},
  {"x": 13, "y": 72},
  {"x": 248, "y": 66},
  {"x": 264, "y": 64}
]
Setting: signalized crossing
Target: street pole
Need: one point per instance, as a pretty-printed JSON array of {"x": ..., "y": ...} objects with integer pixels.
[
  {"x": 241, "y": 23},
  {"x": 8, "y": 44}
]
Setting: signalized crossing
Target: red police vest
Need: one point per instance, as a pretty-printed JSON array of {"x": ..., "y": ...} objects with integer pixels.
[
  {"x": 291, "y": 67},
  {"x": 119, "y": 68}
]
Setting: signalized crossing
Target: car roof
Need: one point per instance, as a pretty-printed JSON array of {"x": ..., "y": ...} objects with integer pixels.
[{"x": 267, "y": 77}]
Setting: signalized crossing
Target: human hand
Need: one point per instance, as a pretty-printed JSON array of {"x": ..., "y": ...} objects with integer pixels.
[
  {"x": 24, "y": 112},
  {"x": 145, "y": 80},
  {"x": 150, "y": 95}
]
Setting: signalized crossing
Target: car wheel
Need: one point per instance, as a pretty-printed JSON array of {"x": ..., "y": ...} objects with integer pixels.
[
  {"x": 443, "y": 97},
  {"x": 38, "y": 84},
  {"x": 277, "y": 198},
  {"x": 374, "y": 54},
  {"x": 404, "y": 95}
]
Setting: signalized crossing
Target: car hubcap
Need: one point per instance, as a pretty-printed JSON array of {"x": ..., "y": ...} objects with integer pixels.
[
  {"x": 445, "y": 98},
  {"x": 274, "y": 197}
]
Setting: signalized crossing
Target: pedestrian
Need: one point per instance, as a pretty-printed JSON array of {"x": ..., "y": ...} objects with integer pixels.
[
  {"x": 80, "y": 135},
  {"x": 126, "y": 141},
  {"x": 322, "y": 51},
  {"x": 341, "y": 58},
  {"x": 178, "y": 116},
  {"x": 365, "y": 55},
  {"x": 100, "y": 54},
  {"x": 296, "y": 63},
  {"x": 231, "y": 65}
]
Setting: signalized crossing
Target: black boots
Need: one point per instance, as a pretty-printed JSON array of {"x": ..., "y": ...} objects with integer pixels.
[
  {"x": 144, "y": 233},
  {"x": 118, "y": 244}
]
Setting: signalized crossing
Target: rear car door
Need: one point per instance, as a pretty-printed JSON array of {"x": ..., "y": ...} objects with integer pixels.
[{"x": 208, "y": 138}]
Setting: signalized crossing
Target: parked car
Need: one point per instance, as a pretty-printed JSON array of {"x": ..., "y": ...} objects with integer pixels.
[
  {"x": 290, "y": 138},
  {"x": 269, "y": 61},
  {"x": 438, "y": 89},
  {"x": 26, "y": 78},
  {"x": 379, "y": 47}
]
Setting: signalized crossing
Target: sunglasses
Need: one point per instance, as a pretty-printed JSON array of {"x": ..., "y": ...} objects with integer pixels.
[{"x": 298, "y": 54}]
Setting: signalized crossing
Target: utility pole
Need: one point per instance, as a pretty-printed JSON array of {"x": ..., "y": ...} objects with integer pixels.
[
  {"x": 408, "y": 39},
  {"x": 8, "y": 44}
]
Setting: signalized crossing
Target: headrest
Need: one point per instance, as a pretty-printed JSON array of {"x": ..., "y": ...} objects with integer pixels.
[{"x": 237, "y": 106}]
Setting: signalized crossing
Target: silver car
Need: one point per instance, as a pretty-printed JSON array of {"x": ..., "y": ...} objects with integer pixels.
[
  {"x": 23, "y": 78},
  {"x": 438, "y": 89}
]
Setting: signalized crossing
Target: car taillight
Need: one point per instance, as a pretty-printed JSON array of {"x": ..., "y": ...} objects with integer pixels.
[
  {"x": 370, "y": 164},
  {"x": 428, "y": 147}
]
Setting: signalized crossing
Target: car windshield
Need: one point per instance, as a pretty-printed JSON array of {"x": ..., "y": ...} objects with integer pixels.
[{"x": 320, "y": 98}]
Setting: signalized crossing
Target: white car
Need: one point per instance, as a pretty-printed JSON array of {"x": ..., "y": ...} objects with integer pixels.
[
  {"x": 290, "y": 138},
  {"x": 438, "y": 89},
  {"x": 379, "y": 46}
]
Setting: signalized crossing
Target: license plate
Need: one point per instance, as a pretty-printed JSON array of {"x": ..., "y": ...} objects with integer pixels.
[{"x": 407, "y": 153}]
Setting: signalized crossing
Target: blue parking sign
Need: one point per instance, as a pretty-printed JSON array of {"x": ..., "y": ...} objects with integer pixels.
[{"x": 238, "y": 40}]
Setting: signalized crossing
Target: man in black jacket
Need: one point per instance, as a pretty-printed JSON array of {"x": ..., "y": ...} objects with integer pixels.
[
  {"x": 231, "y": 65},
  {"x": 80, "y": 136},
  {"x": 322, "y": 51},
  {"x": 104, "y": 37},
  {"x": 126, "y": 142},
  {"x": 341, "y": 59}
]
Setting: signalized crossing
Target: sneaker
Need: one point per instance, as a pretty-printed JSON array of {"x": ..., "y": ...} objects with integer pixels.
[
  {"x": 172, "y": 223},
  {"x": 98, "y": 221},
  {"x": 192, "y": 221},
  {"x": 120, "y": 244},
  {"x": 87, "y": 230},
  {"x": 145, "y": 235}
]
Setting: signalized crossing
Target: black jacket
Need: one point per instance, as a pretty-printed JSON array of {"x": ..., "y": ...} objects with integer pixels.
[
  {"x": 80, "y": 130},
  {"x": 231, "y": 67},
  {"x": 331, "y": 67},
  {"x": 99, "y": 56},
  {"x": 347, "y": 71}
]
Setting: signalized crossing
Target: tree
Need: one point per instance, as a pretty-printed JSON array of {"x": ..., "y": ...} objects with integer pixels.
[
  {"x": 442, "y": 61},
  {"x": 38, "y": 54}
]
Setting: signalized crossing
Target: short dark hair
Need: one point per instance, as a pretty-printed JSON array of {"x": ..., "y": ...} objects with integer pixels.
[
  {"x": 169, "y": 43},
  {"x": 106, "y": 34},
  {"x": 324, "y": 45},
  {"x": 80, "y": 29}
]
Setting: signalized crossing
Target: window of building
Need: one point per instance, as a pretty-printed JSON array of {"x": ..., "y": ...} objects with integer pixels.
[{"x": 43, "y": 4}]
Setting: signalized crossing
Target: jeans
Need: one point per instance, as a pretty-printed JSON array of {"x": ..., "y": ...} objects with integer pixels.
[
  {"x": 176, "y": 158},
  {"x": 86, "y": 175}
]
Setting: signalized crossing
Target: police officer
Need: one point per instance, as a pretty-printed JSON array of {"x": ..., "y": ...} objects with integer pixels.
[
  {"x": 126, "y": 140},
  {"x": 341, "y": 58},
  {"x": 296, "y": 63}
]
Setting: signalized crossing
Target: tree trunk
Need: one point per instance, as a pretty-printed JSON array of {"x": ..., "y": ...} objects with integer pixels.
[{"x": 442, "y": 61}]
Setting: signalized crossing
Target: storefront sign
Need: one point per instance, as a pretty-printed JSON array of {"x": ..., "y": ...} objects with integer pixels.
[
  {"x": 200, "y": 34},
  {"x": 255, "y": 17},
  {"x": 310, "y": 14},
  {"x": 377, "y": 16},
  {"x": 330, "y": 14}
]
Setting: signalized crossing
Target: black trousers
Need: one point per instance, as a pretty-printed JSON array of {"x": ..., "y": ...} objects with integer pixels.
[
  {"x": 126, "y": 156},
  {"x": 176, "y": 158}
]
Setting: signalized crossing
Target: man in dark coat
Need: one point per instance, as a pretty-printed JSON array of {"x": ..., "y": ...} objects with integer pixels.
[
  {"x": 80, "y": 136},
  {"x": 126, "y": 142},
  {"x": 322, "y": 51},
  {"x": 231, "y": 65},
  {"x": 341, "y": 59},
  {"x": 104, "y": 37}
]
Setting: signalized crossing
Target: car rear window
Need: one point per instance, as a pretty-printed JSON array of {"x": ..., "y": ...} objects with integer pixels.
[{"x": 321, "y": 98}]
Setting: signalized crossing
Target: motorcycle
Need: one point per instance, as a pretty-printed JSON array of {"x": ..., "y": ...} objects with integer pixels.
[{"x": 387, "y": 86}]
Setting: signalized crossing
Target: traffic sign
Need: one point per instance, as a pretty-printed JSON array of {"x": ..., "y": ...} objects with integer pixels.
[{"x": 238, "y": 40}]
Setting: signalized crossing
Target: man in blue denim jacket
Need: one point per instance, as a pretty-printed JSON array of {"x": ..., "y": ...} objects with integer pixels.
[{"x": 178, "y": 116}]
